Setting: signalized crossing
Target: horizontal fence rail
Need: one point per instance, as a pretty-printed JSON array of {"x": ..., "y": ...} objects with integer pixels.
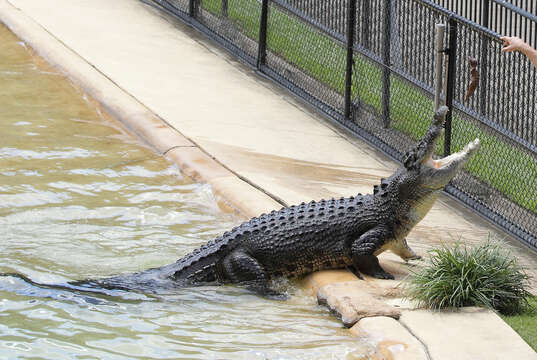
[
  {"x": 369, "y": 65},
  {"x": 510, "y": 18}
]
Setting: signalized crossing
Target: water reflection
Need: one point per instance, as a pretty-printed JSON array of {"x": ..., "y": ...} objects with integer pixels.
[{"x": 78, "y": 199}]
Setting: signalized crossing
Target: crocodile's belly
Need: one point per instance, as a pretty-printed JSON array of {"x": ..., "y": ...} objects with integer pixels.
[{"x": 303, "y": 265}]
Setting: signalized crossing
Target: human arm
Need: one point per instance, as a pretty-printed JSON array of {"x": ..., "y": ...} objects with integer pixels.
[{"x": 513, "y": 43}]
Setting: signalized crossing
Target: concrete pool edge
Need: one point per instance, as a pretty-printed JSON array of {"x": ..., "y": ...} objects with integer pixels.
[{"x": 193, "y": 160}]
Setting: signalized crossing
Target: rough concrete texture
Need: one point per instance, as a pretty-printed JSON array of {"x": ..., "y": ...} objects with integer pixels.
[
  {"x": 238, "y": 129},
  {"x": 231, "y": 190},
  {"x": 399, "y": 344},
  {"x": 352, "y": 301},
  {"x": 317, "y": 280},
  {"x": 468, "y": 334}
]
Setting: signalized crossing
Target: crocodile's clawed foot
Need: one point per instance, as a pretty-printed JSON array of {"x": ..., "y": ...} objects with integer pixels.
[
  {"x": 262, "y": 289},
  {"x": 274, "y": 295},
  {"x": 355, "y": 271},
  {"x": 415, "y": 257},
  {"x": 382, "y": 275}
]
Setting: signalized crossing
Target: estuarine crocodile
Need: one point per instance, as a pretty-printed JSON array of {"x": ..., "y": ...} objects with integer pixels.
[
  {"x": 313, "y": 236},
  {"x": 318, "y": 235}
]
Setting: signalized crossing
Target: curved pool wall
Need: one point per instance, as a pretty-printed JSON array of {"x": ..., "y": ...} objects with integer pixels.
[{"x": 80, "y": 198}]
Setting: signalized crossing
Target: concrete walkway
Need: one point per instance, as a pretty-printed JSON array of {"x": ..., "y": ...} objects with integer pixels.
[{"x": 145, "y": 67}]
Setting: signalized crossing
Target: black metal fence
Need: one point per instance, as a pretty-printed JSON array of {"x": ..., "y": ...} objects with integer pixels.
[
  {"x": 369, "y": 65},
  {"x": 508, "y": 17}
]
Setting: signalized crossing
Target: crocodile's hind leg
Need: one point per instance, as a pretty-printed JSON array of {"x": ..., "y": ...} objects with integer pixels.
[{"x": 242, "y": 268}]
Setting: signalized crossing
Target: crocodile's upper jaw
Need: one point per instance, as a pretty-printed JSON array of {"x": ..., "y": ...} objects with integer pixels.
[
  {"x": 446, "y": 161},
  {"x": 439, "y": 172}
]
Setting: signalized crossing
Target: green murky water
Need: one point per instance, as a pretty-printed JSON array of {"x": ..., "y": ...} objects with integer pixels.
[{"x": 80, "y": 199}]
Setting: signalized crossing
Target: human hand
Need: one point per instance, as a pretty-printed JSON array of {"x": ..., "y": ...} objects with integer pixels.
[{"x": 514, "y": 43}]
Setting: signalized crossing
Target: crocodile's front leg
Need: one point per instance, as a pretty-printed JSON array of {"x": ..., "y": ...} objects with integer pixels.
[
  {"x": 363, "y": 249},
  {"x": 401, "y": 248}
]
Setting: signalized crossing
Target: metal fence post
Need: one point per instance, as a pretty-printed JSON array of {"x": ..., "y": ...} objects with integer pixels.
[
  {"x": 351, "y": 24},
  {"x": 262, "y": 49},
  {"x": 439, "y": 65},
  {"x": 450, "y": 86},
  {"x": 224, "y": 8},
  {"x": 485, "y": 8},
  {"x": 386, "y": 40},
  {"x": 366, "y": 21},
  {"x": 193, "y": 8}
]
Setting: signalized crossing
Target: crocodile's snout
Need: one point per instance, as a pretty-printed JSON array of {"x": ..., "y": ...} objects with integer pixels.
[
  {"x": 474, "y": 145},
  {"x": 438, "y": 173}
]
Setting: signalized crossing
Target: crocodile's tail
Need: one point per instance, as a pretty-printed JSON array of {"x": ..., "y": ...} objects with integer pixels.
[
  {"x": 196, "y": 268},
  {"x": 149, "y": 281},
  {"x": 66, "y": 286},
  {"x": 84, "y": 292},
  {"x": 144, "y": 282}
]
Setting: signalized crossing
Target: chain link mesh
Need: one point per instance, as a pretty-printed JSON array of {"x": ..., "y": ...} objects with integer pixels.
[
  {"x": 237, "y": 21},
  {"x": 306, "y": 56},
  {"x": 392, "y": 86},
  {"x": 181, "y": 5}
]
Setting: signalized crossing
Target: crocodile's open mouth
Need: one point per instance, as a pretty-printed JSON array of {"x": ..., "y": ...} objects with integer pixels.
[{"x": 446, "y": 161}]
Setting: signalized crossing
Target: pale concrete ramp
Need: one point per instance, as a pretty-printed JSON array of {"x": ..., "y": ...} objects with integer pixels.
[{"x": 128, "y": 56}]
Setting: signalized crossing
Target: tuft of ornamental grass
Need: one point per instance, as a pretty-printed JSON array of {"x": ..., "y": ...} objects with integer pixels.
[{"x": 486, "y": 275}]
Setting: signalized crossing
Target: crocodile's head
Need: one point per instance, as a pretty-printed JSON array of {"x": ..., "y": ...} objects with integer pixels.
[
  {"x": 421, "y": 172},
  {"x": 413, "y": 189}
]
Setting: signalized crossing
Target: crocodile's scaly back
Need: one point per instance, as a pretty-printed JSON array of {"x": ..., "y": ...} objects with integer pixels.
[{"x": 284, "y": 241}]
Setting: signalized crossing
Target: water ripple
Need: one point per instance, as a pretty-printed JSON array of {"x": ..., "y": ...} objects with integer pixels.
[{"x": 67, "y": 153}]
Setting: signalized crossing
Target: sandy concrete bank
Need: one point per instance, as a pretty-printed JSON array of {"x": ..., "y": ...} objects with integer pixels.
[{"x": 244, "y": 136}]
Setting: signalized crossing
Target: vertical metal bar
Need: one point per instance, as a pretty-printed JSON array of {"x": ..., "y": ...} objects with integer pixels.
[
  {"x": 365, "y": 20},
  {"x": 224, "y": 8},
  {"x": 497, "y": 26},
  {"x": 403, "y": 38},
  {"x": 485, "y": 9},
  {"x": 451, "y": 68},
  {"x": 440, "y": 30},
  {"x": 193, "y": 8},
  {"x": 351, "y": 23},
  {"x": 386, "y": 40},
  {"x": 262, "y": 49},
  {"x": 423, "y": 46}
]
